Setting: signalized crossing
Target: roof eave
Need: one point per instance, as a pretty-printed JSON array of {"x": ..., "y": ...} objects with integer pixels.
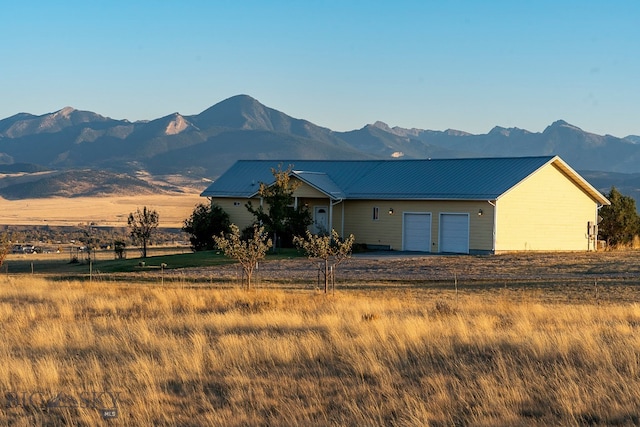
[
  {"x": 588, "y": 188},
  {"x": 464, "y": 198},
  {"x": 228, "y": 195}
]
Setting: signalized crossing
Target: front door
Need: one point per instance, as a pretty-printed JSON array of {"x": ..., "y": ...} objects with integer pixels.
[{"x": 320, "y": 220}]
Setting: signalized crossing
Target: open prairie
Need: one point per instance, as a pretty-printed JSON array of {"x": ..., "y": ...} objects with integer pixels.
[
  {"x": 181, "y": 356},
  {"x": 523, "y": 339},
  {"x": 103, "y": 211}
]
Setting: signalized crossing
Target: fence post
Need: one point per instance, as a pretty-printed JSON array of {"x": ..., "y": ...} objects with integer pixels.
[
  {"x": 333, "y": 280},
  {"x": 455, "y": 283}
]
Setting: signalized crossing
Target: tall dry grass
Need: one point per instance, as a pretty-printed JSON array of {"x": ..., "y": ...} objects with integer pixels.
[{"x": 223, "y": 357}]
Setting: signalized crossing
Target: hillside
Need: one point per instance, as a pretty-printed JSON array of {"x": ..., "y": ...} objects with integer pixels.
[
  {"x": 86, "y": 153},
  {"x": 78, "y": 183}
]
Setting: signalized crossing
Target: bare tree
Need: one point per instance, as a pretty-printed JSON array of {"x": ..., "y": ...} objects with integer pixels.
[
  {"x": 142, "y": 224},
  {"x": 327, "y": 248},
  {"x": 246, "y": 252},
  {"x": 5, "y": 247}
]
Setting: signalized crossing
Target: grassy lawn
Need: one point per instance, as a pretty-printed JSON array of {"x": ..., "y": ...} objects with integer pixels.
[{"x": 60, "y": 263}]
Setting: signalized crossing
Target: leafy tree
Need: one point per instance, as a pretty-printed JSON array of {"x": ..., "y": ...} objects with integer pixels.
[
  {"x": 246, "y": 252},
  {"x": 119, "y": 248},
  {"x": 142, "y": 224},
  {"x": 327, "y": 248},
  {"x": 620, "y": 220},
  {"x": 281, "y": 219},
  {"x": 205, "y": 222}
]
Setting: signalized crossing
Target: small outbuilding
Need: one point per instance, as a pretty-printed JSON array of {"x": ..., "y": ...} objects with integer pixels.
[{"x": 475, "y": 205}]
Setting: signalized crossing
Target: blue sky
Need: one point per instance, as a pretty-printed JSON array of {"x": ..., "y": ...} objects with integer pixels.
[{"x": 467, "y": 65}]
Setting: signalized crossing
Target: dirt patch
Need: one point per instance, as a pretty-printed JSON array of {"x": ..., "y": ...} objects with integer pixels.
[
  {"x": 399, "y": 267},
  {"x": 558, "y": 278}
]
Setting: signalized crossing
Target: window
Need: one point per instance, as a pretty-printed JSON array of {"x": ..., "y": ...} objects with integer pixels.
[{"x": 376, "y": 213}]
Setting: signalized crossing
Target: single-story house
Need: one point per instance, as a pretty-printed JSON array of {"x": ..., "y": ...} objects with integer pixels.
[{"x": 474, "y": 205}]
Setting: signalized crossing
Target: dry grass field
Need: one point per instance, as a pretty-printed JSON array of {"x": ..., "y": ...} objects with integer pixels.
[
  {"x": 104, "y": 211},
  {"x": 379, "y": 352}
]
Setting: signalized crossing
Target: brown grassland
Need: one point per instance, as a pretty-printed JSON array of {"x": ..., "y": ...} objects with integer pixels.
[
  {"x": 524, "y": 339},
  {"x": 103, "y": 211}
]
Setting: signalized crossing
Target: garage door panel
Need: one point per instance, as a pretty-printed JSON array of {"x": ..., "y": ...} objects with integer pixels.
[
  {"x": 417, "y": 232},
  {"x": 454, "y": 233}
]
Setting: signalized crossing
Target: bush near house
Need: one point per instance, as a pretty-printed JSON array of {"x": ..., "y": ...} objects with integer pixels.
[
  {"x": 206, "y": 221},
  {"x": 620, "y": 221}
]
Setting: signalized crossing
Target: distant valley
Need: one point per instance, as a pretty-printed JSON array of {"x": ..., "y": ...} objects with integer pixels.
[{"x": 72, "y": 153}]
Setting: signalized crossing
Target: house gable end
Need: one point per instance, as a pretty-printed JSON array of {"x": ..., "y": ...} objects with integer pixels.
[
  {"x": 569, "y": 174},
  {"x": 307, "y": 190},
  {"x": 321, "y": 182},
  {"x": 545, "y": 211}
]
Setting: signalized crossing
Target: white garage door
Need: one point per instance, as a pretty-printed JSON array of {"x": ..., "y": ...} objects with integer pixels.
[
  {"x": 417, "y": 232},
  {"x": 454, "y": 233}
]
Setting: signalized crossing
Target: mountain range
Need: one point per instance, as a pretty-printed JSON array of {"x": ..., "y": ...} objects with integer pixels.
[{"x": 71, "y": 152}]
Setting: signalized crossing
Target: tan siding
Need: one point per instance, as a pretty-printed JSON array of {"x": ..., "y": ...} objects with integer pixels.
[
  {"x": 387, "y": 230},
  {"x": 546, "y": 211},
  {"x": 306, "y": 190},
  {"x": 238, "y": 213}
]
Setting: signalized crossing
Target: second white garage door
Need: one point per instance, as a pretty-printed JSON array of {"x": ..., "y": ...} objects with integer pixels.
[
  {"x": 454, "y": 233},
  {"x": 417, "y": 232}
]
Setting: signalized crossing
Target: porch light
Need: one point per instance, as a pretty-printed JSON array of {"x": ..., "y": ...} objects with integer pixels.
[
  {"x": 390, "y": 211},
  {"x": 479, "y": 212}
]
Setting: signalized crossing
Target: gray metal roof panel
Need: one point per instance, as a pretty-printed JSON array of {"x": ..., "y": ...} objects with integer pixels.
[
  {"x": 244, "y": 176},
  {"x": 241, "y": 180},
  {"x": 436, "y": 179},
  {"x": 446, "y": 178}
]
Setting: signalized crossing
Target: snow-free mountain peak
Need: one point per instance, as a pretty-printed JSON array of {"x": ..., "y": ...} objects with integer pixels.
[
  {"x": 561, "y": 124},
  {"x": 383, "y": 126},
  {"x": 65, "y": 112},
  {"x": 238, "y": 112},
  {"x": 499, "y": 130},
  {"x": 176, "y": 125}
]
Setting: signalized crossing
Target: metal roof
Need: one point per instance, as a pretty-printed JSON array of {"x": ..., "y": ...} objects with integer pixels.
[
  {"x": 426, "y": 179},
  {"x": 321, "y": 182}
]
